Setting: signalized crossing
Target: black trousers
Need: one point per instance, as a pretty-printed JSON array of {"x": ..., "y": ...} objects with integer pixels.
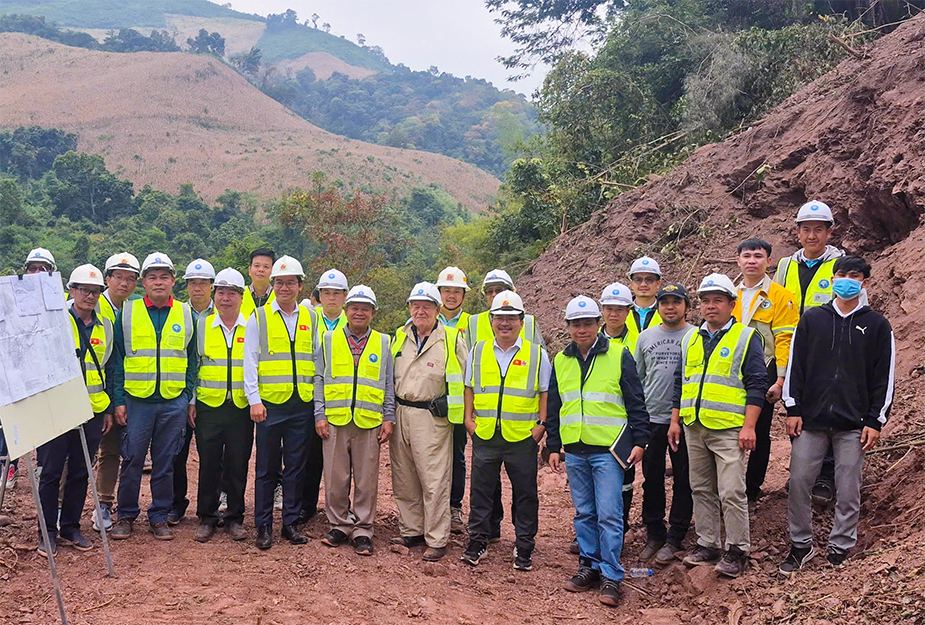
[
  {"x": 653, "y": 488},
  {"x": 314, "y": 468},
  {"x": 458, "y": 486},
  {"x": 520, "y": 462},
  {"x": 759, "y": 457},
  {"x": 224, "y": 438},
  {"x": 62, "y": 451},
  {"x": 180, "y": 478},
  {"x": 281, "y": 448}
]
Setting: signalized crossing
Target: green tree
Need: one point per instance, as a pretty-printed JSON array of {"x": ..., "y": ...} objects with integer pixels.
[
  {"x": 80, "y": 187},
  {"x": 206, "y": 43}
]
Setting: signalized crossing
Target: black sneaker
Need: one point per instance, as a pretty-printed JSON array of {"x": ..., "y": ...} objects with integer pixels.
[
  {"x": 823, "y": 493},
  {"x": 363, "y": 546},
  {"x": 734, "y": 562},
  {"x": 174, "y": 517},
  {"x": 44, "y": 550},
  {"x": 652, "y": 547},
  {"x": 474, "y": 552},
  {"x": 702, "y": 555},
  {"x": 75, "y": 539},
  {"x": 837, "y": 558},
  {"x": 610, "y": 592},
  {"x": 334, "y": 538},
  {"x": 585, "y": 579},
  {"x": 408, "y": 541},
  {"x": 797, "y": 558},
  {"x": 523, "y": 561}
]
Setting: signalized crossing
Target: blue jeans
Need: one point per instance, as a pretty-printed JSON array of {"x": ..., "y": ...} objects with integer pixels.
[
  {"x": 162, "y": 426},
  {"x": 599, "y": 510}
]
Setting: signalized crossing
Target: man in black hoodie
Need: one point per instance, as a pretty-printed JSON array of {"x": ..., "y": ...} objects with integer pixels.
[{"x": 838, "y": 390}]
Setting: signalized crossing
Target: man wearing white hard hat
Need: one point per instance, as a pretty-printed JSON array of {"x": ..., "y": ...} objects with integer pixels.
[
  {"x": 280, "y": 356},
  {"x": 595, "y": 398},
  {"x": 39, "y": 260},
  {"x": 121, "y": 273},
  {"x": 155, "y": 379},
  {"x": 719, "y": 389},
  {"x": 354, "y": 415},
  {"x": 220, "y": 415},
  {"x": 507, "y": 383},
  {"x": 93, "y": 341},
  {"x": 645, "y": 280},
  {"x": 429, "y": 359}
]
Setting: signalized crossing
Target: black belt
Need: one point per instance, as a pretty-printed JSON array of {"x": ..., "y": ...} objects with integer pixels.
[{"x": 423, "y": 405}]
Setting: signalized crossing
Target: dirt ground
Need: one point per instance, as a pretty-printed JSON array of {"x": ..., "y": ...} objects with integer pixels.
[{"x": 221, "y": 582}]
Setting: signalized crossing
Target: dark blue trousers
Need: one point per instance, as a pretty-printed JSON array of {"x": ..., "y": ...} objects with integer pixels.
[{"x": 282, "y": 443}]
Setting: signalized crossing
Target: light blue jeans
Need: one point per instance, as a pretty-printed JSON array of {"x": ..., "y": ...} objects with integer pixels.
[{"x": 599, "y": 510}]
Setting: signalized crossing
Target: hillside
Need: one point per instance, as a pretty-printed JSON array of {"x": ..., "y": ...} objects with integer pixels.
[
  {"x": 108, "y": 14},
  {"x": 165, "y": 119}
]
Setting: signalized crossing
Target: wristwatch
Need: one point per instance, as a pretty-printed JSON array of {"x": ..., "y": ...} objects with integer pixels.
[{"x": 543, "y": 423}]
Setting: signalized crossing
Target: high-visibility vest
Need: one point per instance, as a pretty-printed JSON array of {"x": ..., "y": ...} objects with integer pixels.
[
  {"x": 513, "y": 401},
  {"x": 462, "y": 322},
  {"x": 627, "y": 341},
  {"x": 219, "y": 363},
  {"x": 819, "y": 291},
  {"x": 323, "y": 326},
  {"x": 593, "y": 413},
  {"x": 633, "y": 329},
  {"x": 354, "y": 392},
  {"x": 105, "y": 309},
  {"x": 453, "y": 371},
  {"x": 715, "y": 394},
  {"x": 146, "y": 359},
  {"x": 248, "y": 305},
  {"x": 479, "y": 329},
  {"x": 95, "y": 378},
  {"x": 283, "y": 363}
]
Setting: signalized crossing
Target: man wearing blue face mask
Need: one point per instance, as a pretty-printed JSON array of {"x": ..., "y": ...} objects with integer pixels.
[{"x": 838, "y": 391}]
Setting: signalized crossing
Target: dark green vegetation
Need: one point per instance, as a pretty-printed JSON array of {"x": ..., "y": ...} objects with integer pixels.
[
  {"x": 119, "y": 13},
  {"x": 123, "y": 40}
]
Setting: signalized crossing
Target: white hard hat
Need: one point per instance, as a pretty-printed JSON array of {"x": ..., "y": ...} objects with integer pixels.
[
  {"x": 40, "y": 255},
  {"x": 645, "y": 264},
  {"x": 717, "y": 283},
  {"x": 361, "y": 294},
  {"x": 425, "y": 292},
  {"x": 616, "y": 294},
  {"x": 86, "y": 274},
  {"x": 582, "y": 307},
  {"x": 815, "y": 211},
  {"x": 122, "y": 260},
  {"x": 507, "y": 303},
  {"x": 287, "y": 266},
  {"x": 199, "y": 269},
  {"x": 333, "y": 279},
  {"x": 453, "y": 277},
  {"x": 498, "y": 276},
  {"x": 231, "y": 278},
  {"x": 157, "y": 260}
]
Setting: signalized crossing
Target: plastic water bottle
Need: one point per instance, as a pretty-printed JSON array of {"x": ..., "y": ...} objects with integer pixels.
[{"x": 640, "y": 572}]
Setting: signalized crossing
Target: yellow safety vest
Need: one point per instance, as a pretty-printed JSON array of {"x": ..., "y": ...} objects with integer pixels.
[
  {"x": 146, "y": 359},
  {"x": 248, "y": 305},
  {"x": 820, "y": 287},
  {"x": 283, "y": 362},
  {"x": 105, "y": 309},
  {"x": 479, "y": 329},
  {"x": 95, "y": 378},
  {"x": 323, "y": 326},
  {"x": 462, "y": 322},
  {"x": 453, "y": 370},
  {"x": 633, "y": 329},
  {"x": 218, "y": 364},
  {"x": 714, "y": 392},
  {"x": 351, "y": 391},
  {"x": 514, "y": 399},
  {"x": 593, "y": 413}
]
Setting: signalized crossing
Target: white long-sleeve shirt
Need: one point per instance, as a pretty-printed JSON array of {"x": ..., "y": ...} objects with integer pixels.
[{"x": 252, "y": 350}]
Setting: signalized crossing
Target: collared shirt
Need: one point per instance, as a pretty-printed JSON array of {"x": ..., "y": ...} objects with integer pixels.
[
  {"x": 505, "y": 357},
  {"x": 240, "y": 322},
  {"x": 205, "y": 313},
  {"x": 252, "y": 349},
  {"x": 260, "y": 301},
  {"x": 643, "y": 314},
  {"x": 622, "y": 334},
  {"x": 772, "y": 311},
  {"x": 357, "y": 343},
  {"x": 450, "y": 323},
  {"x": 330, "y": 324}
]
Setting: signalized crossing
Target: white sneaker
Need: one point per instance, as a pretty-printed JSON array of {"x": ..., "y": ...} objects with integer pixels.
[
  {"x": 278, "y": 498},
  {"x": 11, "y": 477},
  {"x": 106, "y": 513},
  {"x": 222, "y": 502}
]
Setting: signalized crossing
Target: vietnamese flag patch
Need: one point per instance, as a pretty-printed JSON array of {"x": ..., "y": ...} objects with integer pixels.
[
  {"x": 303, "y": 327},
  {"x": 519, "y": 363},
  {"x": 240, "y": 339},
  {"x": 95, "y": 341}
]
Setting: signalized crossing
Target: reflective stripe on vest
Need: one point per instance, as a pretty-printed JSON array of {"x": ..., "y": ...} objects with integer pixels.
[
  {"x": 715, "y": 394},
  {"x": 146, "y": 359},
  {"x": 101, "y": 344},
  {"x": 593, "y": 413},
  {"x": 820, "y": 287},
  {"x": 212, "y": 388},
  {"x": 479, "y": 329},
  {"x": 515, "y": 400},
  {"x": 276, "y": 369},
  {"x": 351, "y": 391},
  {"x": 453, "y": 371}
]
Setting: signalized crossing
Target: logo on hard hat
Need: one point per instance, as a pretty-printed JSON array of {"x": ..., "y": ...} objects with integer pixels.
[
  {"x": 420, "y": 291},
  {"x": 157, "y": 259},
  {"x": 176, "y": 327},
  {"x": 506, "y": 303},
  {"x": 709, "y": 283},
  {"x": 360, "y": 293},
  {"x": 124, "y": 260},
  {"x": 645, "y": 262},
  {"x": 616, "y": 291},
  {"x": 330, "y": 275},
  {"x": 824, "y": 284},
  {"x": 724, "y": 352},
  {"x": 373, "y": 358},
  {"x": 814, "y": 207},
  {"x": 582, "y": 304},
  {"x": 449, "y": 276},
  {"x": 198, "y": 266},
  {"x": 92, "y": 274},
  {"x": 283, "y": 266}
]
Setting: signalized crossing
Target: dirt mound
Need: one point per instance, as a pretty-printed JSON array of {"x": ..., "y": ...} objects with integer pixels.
[{"x": 167, "y": 119}]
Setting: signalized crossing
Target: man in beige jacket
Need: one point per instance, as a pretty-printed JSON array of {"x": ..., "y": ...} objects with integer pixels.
[{"x": 428, "y": 394}]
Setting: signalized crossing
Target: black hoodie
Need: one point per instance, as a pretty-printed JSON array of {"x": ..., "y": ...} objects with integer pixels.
[{"x": 840, "y": 373}]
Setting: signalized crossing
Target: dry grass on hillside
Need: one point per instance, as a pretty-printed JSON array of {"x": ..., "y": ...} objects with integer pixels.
[
  {"x": 323, "y": 65},
  {"x": 166, "y": 119}
]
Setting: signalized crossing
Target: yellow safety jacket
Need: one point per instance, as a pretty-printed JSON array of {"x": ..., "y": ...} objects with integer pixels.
[
  {"x": 453, "y": 370},
  {"x": 105, "y": 309},
  {"x": 248, "y": 305},
  {"x": 633, "y": 329},
  {"x": 323, "y": 326},
  {"x": 354, "y": 392},
  {"x": 462, "y": 322},
  {"x": 774, "y": 315},
  {"x": 285, "y": 363},
  {"x": 820, "y": 288},
  {"x": 512, "y": 401},
  {"x": 221, "y": 368},
  {"x": 714, "y": 392},
  {"x": 146, "y": 359},
  {"x": 592, "y": 413},
  {"x": 95, "y": 377},
  {"x": 479, "y": 329}
]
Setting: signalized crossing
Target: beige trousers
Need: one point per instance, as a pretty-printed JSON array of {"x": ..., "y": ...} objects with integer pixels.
[
  {"x": 421, "y": 449},
  {"x": 351, "y": 449},
  {"x": 107, "y": 464}
]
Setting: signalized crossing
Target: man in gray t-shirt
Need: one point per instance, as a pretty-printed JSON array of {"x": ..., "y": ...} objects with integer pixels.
[{"x": 658, "y": 351}]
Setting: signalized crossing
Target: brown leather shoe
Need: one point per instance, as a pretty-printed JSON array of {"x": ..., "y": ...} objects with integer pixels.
[
  {"x": 204, "y": 533},
  {"x": 433, "y": 554},
  {"x": 121, "y": 529},
  {"x": 161, "y": 530},
  {"x": 236, "y": 531}
]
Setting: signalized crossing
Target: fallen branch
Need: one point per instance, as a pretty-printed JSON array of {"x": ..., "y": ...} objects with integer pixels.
[
  {"x": 907, "y": 445},
  {"x": 637, "y": 588},
  {"x": 846, "y": 47},
  {"x": 97, "y": 607}
]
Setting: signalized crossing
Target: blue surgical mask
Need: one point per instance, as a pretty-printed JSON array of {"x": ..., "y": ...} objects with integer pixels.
[{"x": 846, "y": 288}]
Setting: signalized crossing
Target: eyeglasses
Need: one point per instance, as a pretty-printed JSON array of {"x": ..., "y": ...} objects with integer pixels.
[
  {"x": 87, "y": 292},
  {"x": 644, "y": 280},
  {"x": 279, "y": 284},
  {"x": 131, "y": 279}
]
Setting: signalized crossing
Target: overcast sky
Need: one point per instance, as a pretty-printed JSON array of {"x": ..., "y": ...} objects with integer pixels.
[{"x": 458, "y": 36}]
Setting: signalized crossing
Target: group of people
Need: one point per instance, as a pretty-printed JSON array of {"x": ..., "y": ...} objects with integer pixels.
[{"x": 320, "y": 391}]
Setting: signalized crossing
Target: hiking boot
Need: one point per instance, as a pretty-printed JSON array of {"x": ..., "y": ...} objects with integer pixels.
[
  {"x": 334, "y": 538},
  {"x": 523, "y": 560},
  {"x": 574, "y": 549},
  {"x": 174, "y": 517},
  {"x": 837, "y": 558},
  {"x": 161, "y": 530},
  {"x": 610, "y": 592},
  {"x": 236, "y": 530},
  {"x": 363, "y": 546},
  {"x": 204, "y": 533},
  {"x": 457, "y": 526},
  {"x": 702, "y": 555},
  {"x": 667, "y": 554},
  {"x": 278, "y": 497},
  {"x": 42, "y": 549},
  {"x": 264, "y": 537},
  {"x": 407, "y": 541},
  {"x": 474, "y": 552},
  {"x": 121, "y": 529},
  {"x": 651, "y": 548},
  {"x": 434, "y": 554},
  {"x": 823, "y": 493},
  {"x": 734, "y": 562},
  {"x": 585, "y": 579},
  {"x": 75, "y": 539},
  {"x": 293, "y": 535},
  {"x": 796, "y": 559},
  {"x": 106, "y": 513}
]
